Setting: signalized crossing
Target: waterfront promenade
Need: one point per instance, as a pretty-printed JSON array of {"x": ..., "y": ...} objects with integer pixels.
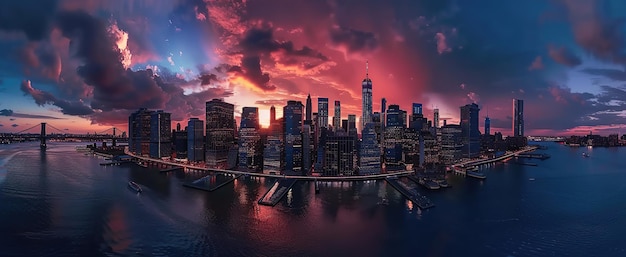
[
  {"x": 497, "y": 159},
  {"x": 322, "y": 178}
]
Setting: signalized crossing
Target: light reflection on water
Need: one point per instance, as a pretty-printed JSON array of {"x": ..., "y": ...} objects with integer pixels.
[{"x": 63, "y": 203}]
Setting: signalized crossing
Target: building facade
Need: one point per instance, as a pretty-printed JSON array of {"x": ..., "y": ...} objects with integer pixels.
[
  {"x": 293, "y": 119},
  {"x": 518, "y": 118},
  {"x": 160, "y": 134},
  {"x": 195, "y": 140},
  {"x": 471, "y": 133},
  {"x": 139, "y": 131},
  {"x": 220, "y": 132}
]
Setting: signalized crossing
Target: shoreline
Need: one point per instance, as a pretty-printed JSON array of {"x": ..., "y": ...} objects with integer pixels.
[
  {"x": 327, "y": 178},
  {"x": 322, "y": 178}
]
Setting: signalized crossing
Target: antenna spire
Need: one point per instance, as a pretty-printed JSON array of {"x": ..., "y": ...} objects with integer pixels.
[{"x": 367, "y": 68}]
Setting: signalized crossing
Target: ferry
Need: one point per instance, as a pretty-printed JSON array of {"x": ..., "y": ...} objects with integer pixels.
[
  {"x": 585, "y": 155},
  {"x": 134, "y": 186},
  {"x": 432, "y": 185}
]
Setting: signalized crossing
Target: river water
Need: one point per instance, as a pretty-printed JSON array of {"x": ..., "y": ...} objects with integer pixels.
[{"x": 62, "y": 203}]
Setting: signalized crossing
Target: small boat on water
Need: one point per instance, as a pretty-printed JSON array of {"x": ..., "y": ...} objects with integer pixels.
[
  {"x": 531, "y": 179},
  {"x": 585, "y": 155},
  {"x": 134, "y": 186}
]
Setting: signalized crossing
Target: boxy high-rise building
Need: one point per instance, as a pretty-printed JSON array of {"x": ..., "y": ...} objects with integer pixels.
[
  {"x": 518, "y": 118},
  {"x": 220, "y": 132}
]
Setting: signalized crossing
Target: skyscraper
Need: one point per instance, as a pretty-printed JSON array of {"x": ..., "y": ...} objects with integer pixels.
[
  {"x": 469, "y": 127},
  {"x": 292, "y": 114},
  {"x": 139, "y": 131},
  {"x": 160, "y": 134},
  {"x": 309, "y": 109},
  {"x": 220, "y": 131},
  {"x": 352, "y": 124},
  {"x": 337, "y": 117},
  {"x": 436, "y": 118},
  {"x": 518, "y": 118},
  {"x": 417, "y": 109},
  {"x": 322, "y": 112},
  {"x": 383, "y": 109},
  {"x": 366, "y": 97},
  {"x": 369, "y": 161},
  {"x": 249, "y": 139},
  {"x": 195, "y": 140},
  {"x": 272, "y": 115},
  {"x": 487, "y": 126}
]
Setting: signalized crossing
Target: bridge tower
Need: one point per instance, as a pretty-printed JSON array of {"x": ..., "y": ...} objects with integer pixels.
[
  {"x": 114, "y": 141},
  {"x": 42, "y": 137}
]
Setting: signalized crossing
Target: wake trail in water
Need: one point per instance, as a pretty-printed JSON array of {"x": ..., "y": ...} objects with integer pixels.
[
  {"x": 7, "y": 159},
  {"x": 3, "y": 163}
]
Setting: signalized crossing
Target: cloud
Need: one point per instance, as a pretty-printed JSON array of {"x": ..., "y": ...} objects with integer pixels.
[
  {"x": 563, "y": 56},
  {"x": 10, "y": 113},
  {"x": 14, "y": 125},
  {"x": 270, "y": 102},
  {"x": 1, "y": 125},
  {"x": 442, "y": 45},
  {"x": 32, "y": 17},
  {"x": 41, "y": 98},
  {"x": 613, "y": 74},
  {"x": 537, "y": 64},
  {"x": 353, "y": 40},
  {"x": 598, "y": 32}
]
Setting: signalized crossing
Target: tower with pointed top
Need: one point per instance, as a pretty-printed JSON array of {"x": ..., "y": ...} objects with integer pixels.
[
  {"x": 366, "y": 97},
  {"x": 309, "y": 109}
]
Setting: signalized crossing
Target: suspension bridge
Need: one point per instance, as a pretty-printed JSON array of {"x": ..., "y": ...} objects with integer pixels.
[{"x": 43, "y": 136}]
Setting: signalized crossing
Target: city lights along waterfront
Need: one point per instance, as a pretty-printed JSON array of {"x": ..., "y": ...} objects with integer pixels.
[{"x": 62, "y": 202}]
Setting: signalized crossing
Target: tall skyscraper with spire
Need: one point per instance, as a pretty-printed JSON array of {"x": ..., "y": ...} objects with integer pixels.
[
  {"x": 366, "y": 97},
  {"x": 309, "y": 110}
]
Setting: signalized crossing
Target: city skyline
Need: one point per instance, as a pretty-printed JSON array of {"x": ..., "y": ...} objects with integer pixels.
[{"x": 567, "y": 70}]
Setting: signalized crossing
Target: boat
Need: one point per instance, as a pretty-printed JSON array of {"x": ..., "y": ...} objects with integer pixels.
[
  {"x": 134, "y": 186},
  {"x": 585, "y": 155},
  {"x": 443, "y": 183},
  {"x": 142, "y": 164},
  {"x": 531, "y": 179}
]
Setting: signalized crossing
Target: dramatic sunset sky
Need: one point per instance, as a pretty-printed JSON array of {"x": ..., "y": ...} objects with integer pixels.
[{"x": 85, "y": 65}]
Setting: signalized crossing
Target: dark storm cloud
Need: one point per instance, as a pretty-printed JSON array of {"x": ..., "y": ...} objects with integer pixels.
[
  {"x": 258, "y": 43},
  {"x": 597, "y": 30},
  {"x": 564, "y": 56},
  {"x": 11, "y": 113},
  {"x": 354, "y": 40},
  {"x": 206, "y": 79},
  {"x": 14, "y": 125},
  {"x": 67, "y": 107},
  {"x": 32, "y": 17}
]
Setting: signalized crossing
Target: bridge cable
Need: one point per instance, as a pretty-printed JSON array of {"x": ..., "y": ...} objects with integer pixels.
[{"x": 20, "y": 132}]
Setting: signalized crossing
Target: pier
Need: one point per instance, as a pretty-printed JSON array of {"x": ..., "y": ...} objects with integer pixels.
[
  {"x": 175, "y": 168},
  {"x": 211, "y": 182},
  {"x": 256, "y": 174},
  {"x": 411, "y": 193},
  {"x": 539, "y": 156},
  {"x": 277, "y": 192}
]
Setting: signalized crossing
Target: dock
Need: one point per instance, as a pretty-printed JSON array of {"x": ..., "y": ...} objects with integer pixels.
[
  {"x": 109, "y": 163},
  {"x": 526, "y": 163},
  {"x": 277, "y": 192},
  {"x": 426, "y": 183},
  {"x": 211, "y": 182},
  {"x": 171, "y": 169},
  {"x": 540, "y": 156},
  {"x": 411, "y": 193}
]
